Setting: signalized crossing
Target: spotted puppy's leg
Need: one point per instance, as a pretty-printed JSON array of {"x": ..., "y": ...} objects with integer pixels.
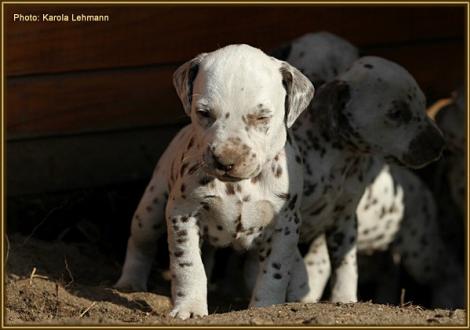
[
  {"x": 189, "y": 282},
  {"x": 318, "y": 267},
  {"x": 276, "y": 262},
  {"x": 341, "y": 242},
  {"x": 147, "y": 226},
  {"x": 298, "y": 285}
]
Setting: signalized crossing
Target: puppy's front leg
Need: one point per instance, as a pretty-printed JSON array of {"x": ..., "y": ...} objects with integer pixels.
[
  {"x": 189, "y": 282},
  {"x": 276, "y": 259},
  {"x": 341, "y": 241}
]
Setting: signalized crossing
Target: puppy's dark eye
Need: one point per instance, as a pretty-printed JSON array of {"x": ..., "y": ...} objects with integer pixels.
[
  {"x": 394, "y": 114},
  {"x": 400, "y": 112},
  {"x": 203, "y": 113}
]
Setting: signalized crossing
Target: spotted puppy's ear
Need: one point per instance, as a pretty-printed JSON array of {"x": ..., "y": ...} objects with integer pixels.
[
  {"x": 329, "y": 104},
  {"x": 299, "y": 92},
  {"x": 183, "y": 79}
]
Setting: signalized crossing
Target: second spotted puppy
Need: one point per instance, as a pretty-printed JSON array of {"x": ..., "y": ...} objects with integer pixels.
[{"x": 227, "y": 176}]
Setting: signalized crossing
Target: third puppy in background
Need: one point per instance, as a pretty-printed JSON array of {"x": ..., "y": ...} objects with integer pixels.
[{"x": 371, "y": 112}]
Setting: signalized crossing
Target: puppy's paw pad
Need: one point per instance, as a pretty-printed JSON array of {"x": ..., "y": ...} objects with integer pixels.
[{"x": 186, "y": 311}]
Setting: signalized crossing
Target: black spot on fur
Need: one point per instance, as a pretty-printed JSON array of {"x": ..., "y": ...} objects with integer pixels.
[
  {"x": 318, "y": 210},
  {"x": 182, "y": 233},
  {"x": 284, "y": 196},
  {"x": 338, "y": 238},
  {"x": 185, "y": 264},
  {"x": 179, "y": 253},
  {"x": 292, "y": 202},
  {"x": 205, "y": 206}
]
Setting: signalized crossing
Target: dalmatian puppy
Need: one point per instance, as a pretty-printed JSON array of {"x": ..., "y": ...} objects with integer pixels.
[
  {"x": 445, "y": 177},
  {"x": 395, "y": 195},
  {"x": 353, "y": 125},
  {"x": 320, "y": 56},
  {"x": 230, "y": 178}
]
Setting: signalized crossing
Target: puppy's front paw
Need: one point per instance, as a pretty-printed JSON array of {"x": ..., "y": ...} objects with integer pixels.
[
  {"x": 268, "y": 301},
  {"x": 189, "y": 309}
]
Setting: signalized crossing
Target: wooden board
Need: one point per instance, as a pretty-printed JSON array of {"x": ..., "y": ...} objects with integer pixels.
[
  {"x": 91, "y": 101},
  {"x": 439, "y": 68},
  {"x": 143, "y": 35},
  {"x": 74, "y": 162},
  {"x": 112, "y": 99}
]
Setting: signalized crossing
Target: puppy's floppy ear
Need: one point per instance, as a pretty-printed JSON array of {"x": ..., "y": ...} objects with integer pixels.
[
  {"x": 183, "y": 79},
  {"x": 328, "y": 106},
  {"x": 299, "y": 92}
]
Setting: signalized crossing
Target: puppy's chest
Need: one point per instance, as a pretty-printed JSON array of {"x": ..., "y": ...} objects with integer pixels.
[
  {"x": 241, "y": 214},
  {"x": 331, "y": 192}
]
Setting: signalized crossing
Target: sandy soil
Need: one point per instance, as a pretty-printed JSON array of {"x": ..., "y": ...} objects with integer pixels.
[{"x": 59, "y": 283}]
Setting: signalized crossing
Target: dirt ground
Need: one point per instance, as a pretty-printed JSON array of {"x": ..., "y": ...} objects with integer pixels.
[{"x": 70, "y": 283}]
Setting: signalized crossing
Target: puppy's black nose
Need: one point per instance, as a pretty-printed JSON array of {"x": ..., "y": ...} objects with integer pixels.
[{"x": 220, "y": 165}]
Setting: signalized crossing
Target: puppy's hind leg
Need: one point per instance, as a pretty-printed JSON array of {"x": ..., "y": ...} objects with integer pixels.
[
  {"x": 317, "y": 263},
  {"x": 147, "y": 226},
  {"x": 341, "y": 242}
]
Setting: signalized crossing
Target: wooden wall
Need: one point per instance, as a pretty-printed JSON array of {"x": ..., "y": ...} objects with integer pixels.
[{"x": 86, "y": 103}]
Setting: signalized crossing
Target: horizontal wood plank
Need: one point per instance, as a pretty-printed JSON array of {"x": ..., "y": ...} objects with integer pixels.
[
  {"x": 102, "y": 100},
  {"x": 84, "y": 102},
  {"x": 438, "y": 68},
  {"x": 143, "y": 35},
  {"x": 91, "y": 160}
]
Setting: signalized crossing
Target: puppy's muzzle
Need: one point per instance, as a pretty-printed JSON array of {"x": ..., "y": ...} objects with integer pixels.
[
  {"x": 425, "y": 148},
  {"x": 228, "y": 163},
  {"x": 222, "y": 165}
]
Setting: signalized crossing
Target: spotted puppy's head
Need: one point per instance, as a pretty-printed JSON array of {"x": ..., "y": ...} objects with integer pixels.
[
  {"x": 376, "y": 106},
  {"x": 240, "y": 101},
  {"x": 321, "y": 56}
]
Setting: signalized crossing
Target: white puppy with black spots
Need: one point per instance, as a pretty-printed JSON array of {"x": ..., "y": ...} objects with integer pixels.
[
  {"x": 374, "y": 111},
  {"x": 231, "y": 177}
]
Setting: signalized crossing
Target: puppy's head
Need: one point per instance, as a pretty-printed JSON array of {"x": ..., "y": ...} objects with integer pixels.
[
  {"x": 240, "y": 102},
  {"x": 378, "y": 107},
  {"x": 321, "y": 56}
]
